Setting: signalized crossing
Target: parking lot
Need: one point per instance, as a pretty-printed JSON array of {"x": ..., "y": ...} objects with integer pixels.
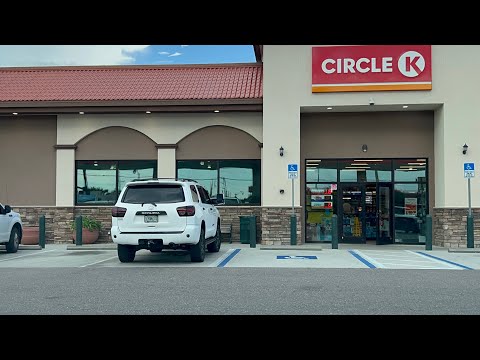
[{"x": 242, "y": 256}]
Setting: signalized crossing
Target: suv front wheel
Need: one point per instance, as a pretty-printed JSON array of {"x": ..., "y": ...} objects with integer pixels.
[
  {"x": 14, "y": 242},
  {"x": 197, "y": 251},
  {"x": 126, "y": 253}
]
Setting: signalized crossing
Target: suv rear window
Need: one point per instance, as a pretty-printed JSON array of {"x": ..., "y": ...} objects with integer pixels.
[{"x": 154, "y": 193}]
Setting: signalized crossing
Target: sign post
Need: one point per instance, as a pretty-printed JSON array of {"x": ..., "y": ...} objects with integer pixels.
[
  {"x": 293, "y": 174},
  {"x": 469, "y": 172}
]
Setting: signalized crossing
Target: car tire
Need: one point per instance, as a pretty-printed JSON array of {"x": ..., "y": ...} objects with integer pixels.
[
  {"x": 126, "y": 253},
  {"x": 197, "y": 251},
  {"x": 215, "y": 246},
  {"x": 14, "y": 242}
]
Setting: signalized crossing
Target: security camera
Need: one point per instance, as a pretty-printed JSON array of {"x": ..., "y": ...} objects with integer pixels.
[
  {"x": 371, "y": 102},
  {"x": 282, "y": 191}
]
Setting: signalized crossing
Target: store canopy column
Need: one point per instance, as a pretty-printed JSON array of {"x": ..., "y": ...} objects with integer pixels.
[
  {"x": 65, "y": 175},
  {"x": 166, "y": 160}
]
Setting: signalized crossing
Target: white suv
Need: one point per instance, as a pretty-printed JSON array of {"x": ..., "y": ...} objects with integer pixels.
[
  {"x": 10, "y": 228},
  {"x": 165, "y": 214}
]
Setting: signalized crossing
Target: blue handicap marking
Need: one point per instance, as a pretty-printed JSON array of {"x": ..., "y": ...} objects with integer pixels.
[
  {"x": 468, "y": 166},
  {"x": 292, "y": 167},
  {"x": 296, "y": 257}
]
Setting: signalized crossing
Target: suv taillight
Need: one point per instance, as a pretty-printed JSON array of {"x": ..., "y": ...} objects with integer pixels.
[
  {"x": 118, "y": 211},
  {"x": 186, "y": 211}
]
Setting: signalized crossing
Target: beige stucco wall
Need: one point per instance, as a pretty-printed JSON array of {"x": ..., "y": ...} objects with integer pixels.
[
  {"x": 456, "y": 85},
  {"x": 165, "y": 128},
  {"x": 87, "y": 132},
  {"x": 27, "y": 160}
]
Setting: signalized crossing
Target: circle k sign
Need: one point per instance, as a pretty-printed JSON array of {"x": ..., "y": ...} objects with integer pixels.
[{"x": 371, "y": 68}]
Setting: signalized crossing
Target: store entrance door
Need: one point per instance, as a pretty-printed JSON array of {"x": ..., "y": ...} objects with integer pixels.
[
  {"x": 352, "y": 213},
  {"x": 384, "y": 214},
  {"x": 366, "y": 213}
]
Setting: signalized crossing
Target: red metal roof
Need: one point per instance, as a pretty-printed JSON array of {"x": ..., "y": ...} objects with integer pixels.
[{"x": 110, "y": 83}]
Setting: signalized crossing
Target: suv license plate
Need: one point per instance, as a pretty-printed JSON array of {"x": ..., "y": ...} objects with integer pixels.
[{"x": 151, "y": 218}]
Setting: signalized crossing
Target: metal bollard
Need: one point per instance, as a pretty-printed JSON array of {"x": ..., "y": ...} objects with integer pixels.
[
  {"x": 429, "y": 233},
  {"x": 293, "y": 230},
  {"x": 470, "y": 239},
  {"x": 78, "y": 230},
  {"x": 334, "y": 232},
  {"x": 41, "y": 231}
]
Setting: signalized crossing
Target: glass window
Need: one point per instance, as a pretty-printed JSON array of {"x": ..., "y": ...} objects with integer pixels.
[
  {"x": 202, "y": 171},
  {"x": 410, "y": 213},
  {"x": 135, "y": 170},
  {"x": 320, "y": 205},
  {"x": 365, "y": 170},
  {"x": 237, "y": 180},
  {"x": 203, "y": 195},
  {"x": 100, "y": 182},
  {"x": 410, "y": 170},
  {"x": 194, "y": 193},
  {"x": 321, "y": 171},
  {"x": 145, "y": 194},
  {"x": 96, "y": 182},
  {"x": 240, "y": 181}
]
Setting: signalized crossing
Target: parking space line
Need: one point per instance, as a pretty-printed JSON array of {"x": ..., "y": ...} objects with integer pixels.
[
  {"x": 98, "y": 262},
  {"x": 362, "y": 259},
  {"x": 447, "y": 261},
  {"x": 21, "y": 256},
  {"x": 228, "y": 258}
]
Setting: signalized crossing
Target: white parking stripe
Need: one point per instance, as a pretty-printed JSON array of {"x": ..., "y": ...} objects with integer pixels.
[
  {"x": 98, "y": 262},
  {"x": 435, "y": 260},
  {"x": 37, "y": 253},
  {"x": 368, "y": 258}
]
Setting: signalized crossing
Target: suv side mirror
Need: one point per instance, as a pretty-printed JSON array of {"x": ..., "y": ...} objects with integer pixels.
[
  {"x": 220, "y": 199},
  {"x": 7, "y": 209}
]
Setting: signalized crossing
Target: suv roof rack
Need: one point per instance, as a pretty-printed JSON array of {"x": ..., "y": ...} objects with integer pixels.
[{"x": 166, "y": 178}]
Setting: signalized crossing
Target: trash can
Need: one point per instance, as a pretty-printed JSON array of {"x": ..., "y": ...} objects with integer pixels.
[{"x": 248, "y": 230}]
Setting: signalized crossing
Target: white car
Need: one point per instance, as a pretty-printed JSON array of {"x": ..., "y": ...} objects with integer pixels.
[
  {"x": 10, "y": 228},
  {"x": 165, "y": 214}
]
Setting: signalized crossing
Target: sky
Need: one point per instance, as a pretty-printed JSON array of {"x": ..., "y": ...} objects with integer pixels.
[{"x": 57, "y": 55}]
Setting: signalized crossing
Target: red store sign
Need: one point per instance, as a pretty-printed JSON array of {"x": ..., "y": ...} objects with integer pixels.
[{"x": 371, "y": 68}]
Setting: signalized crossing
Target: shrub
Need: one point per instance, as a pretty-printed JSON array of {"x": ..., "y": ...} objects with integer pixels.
[{"x": 88, "y": 223}]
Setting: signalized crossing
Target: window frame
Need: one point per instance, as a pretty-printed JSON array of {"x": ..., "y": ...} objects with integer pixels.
[
  {"x": 117, "y": 169},
  {"x": 218, "y": 163}
]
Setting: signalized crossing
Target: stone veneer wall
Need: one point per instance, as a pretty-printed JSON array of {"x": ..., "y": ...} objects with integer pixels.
[
  {"x": 231, "y": 215},
  {"x": 450, "y": 227},
  {"x": 276, "y": 225},
  {"x": 101, "y": 213},
  {"x": 59, "y": 219}
]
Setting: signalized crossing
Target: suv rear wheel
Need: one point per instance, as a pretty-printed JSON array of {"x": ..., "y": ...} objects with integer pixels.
[
  {"x": 215, "y": 246},
  {"x": 126, "y": 253},
  {"x": 197, "y": 252},
  {"x": 14, "y": 242}
]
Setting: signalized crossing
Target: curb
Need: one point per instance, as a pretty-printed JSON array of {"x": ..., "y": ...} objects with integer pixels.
[
  {"x": 464, "y": 250},
  {"x": 93, "y": 247}
]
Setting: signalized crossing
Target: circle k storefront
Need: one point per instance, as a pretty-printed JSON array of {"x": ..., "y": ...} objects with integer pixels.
[{"x": 378, "y": 132}]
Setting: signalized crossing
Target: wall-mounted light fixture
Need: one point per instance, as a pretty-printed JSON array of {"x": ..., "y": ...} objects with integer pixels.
[
  {"x": 281, "y": 150},
  {"x": 364, "y": 147},
  {"x": 465, "y": 148}
]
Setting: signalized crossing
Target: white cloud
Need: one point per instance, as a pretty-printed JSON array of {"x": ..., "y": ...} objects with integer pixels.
[
  {"x": 183, "y": 46},
  {"x": 175, "y": 54},
  {"x": 54, "y": 55},
  {"x": 164, "y": 53}
]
